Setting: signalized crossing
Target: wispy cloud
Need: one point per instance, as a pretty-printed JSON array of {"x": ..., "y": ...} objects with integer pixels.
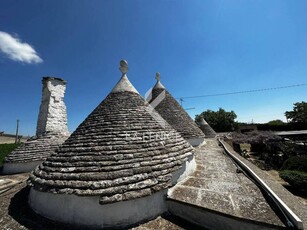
[{"x": 17, "y": 50}]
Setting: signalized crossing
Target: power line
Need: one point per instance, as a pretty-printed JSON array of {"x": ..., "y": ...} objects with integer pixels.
[{"x": 245, "y": 91}]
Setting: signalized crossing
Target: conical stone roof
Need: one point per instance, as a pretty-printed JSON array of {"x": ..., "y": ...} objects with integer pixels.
[
  {"x": 206, "y": 128},
  {"x": 119, "y": 152},
  {"x": 166, "y": 105},
  {"x": 36, "y": 148},
  {"x": 51, "y": 130}
]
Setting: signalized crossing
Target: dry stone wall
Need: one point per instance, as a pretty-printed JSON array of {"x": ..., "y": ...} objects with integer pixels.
[{"x": 52, "y": 114}]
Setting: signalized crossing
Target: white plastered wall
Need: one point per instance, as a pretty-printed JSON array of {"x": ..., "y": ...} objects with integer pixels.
[{"x": 86, "y": 210}]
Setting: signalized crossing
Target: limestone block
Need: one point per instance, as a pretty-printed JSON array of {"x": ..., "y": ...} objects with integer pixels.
[{"x": 52, "y": 113}]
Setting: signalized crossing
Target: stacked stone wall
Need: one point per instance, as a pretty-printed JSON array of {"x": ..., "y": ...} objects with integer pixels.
[{"x": 52, "y": 114}]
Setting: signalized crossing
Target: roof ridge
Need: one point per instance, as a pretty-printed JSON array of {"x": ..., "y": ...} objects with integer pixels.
[{"x": 158, "y": 85}]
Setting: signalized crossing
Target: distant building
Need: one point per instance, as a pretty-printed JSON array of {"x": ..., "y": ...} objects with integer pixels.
[{"x": 11, "y": 138}]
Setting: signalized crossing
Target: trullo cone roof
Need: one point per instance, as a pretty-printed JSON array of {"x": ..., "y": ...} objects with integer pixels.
[
  {"x": 119, "y": 152},
  {"x": 36, "y": 148},
  {"x": 173, "y": 113}
]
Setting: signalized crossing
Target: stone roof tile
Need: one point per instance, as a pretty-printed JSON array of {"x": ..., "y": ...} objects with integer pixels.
[
  {"x": 173, "y": 113},
  {"x": 115, "y": 153},
  {"x": 36, "y": 148}
]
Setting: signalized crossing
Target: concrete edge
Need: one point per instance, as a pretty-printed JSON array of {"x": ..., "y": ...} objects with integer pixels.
[
  {"x": 196, "y": 142},
  {"x": 213, "y": 219},
  {"x": 298, "y": 224}
]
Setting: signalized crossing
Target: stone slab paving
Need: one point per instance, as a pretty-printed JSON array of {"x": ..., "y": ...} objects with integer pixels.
[
  {"x": 296, "y": 204},
  {"x": 216, "y": 185},
  {"x": 167, "y": 222}
]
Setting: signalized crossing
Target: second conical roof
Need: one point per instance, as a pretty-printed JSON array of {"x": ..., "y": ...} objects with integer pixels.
[{"x": 172, "y": 112}]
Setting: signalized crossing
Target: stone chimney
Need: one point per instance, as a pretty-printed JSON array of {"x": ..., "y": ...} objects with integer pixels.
[{"x": 52, "y": 115}]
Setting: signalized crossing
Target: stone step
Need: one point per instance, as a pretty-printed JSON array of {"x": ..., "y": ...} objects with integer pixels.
[{"x": 7, "y": 184}]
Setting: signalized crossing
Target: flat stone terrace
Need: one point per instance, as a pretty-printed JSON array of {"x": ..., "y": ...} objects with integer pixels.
[{"x": 217, "y": 186}]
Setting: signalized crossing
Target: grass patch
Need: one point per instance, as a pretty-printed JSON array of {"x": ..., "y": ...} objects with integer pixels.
[{"x": 5, "y": 149}]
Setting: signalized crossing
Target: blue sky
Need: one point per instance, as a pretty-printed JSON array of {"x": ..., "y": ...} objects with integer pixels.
[{"x": 199, "y": 47}]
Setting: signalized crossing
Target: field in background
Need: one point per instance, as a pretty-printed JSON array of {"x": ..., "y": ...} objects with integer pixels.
[{"x": 5, "y": 149}]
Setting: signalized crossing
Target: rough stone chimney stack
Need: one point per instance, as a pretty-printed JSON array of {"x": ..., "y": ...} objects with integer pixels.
[{"x": 52, "y": 112}]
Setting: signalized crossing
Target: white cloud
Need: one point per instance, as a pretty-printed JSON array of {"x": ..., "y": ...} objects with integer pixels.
[{"x": 17, "y": 50}]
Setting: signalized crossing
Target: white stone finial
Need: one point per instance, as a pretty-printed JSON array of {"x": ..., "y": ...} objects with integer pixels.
[
  {"x": 158, "y": 85},
  {"x": 124, "y": 85},
  {"x": 158, "y": 77},
  {"x": 123, "y": 66}
]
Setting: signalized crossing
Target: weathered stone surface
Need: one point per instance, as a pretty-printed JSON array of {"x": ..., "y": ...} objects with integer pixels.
[
  {"x": 174, "y": 114},
  {"x": 114, "y": 153},
  {"x": 36, "y": 148},
  {"x": 216, "y": 186},
  {"x": 15, "y": 213},
  {"x": 51, "y": 128},
  {"x": 52, "y": 113},
  {"x": 295, "y": 203}
]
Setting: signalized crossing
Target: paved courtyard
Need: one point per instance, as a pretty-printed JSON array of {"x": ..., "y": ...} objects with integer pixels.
[{"x": 216, "y": 185}]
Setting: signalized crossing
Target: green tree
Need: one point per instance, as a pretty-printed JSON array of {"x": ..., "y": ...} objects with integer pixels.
[
  {"x": 276, "y": 122},
  {"x": 298, "y": 114},
  {"x": 220, "y": 121}
]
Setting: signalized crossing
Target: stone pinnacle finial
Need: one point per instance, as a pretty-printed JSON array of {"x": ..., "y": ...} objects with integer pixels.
[
  {"x": 123, "y": 66},
  {"x": 158, "y": 85},
  {"x": 158, "y": 76}
]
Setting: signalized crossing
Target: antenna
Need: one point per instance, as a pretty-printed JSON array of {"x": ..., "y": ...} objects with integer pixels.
[{"x": 16, "y": 137}]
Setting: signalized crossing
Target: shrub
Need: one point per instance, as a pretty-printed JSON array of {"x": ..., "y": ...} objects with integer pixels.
[
  {"x": 255, "y": 137},
  {"x": 295, "y": 163},
  {"x": 297, "y": 179}
]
